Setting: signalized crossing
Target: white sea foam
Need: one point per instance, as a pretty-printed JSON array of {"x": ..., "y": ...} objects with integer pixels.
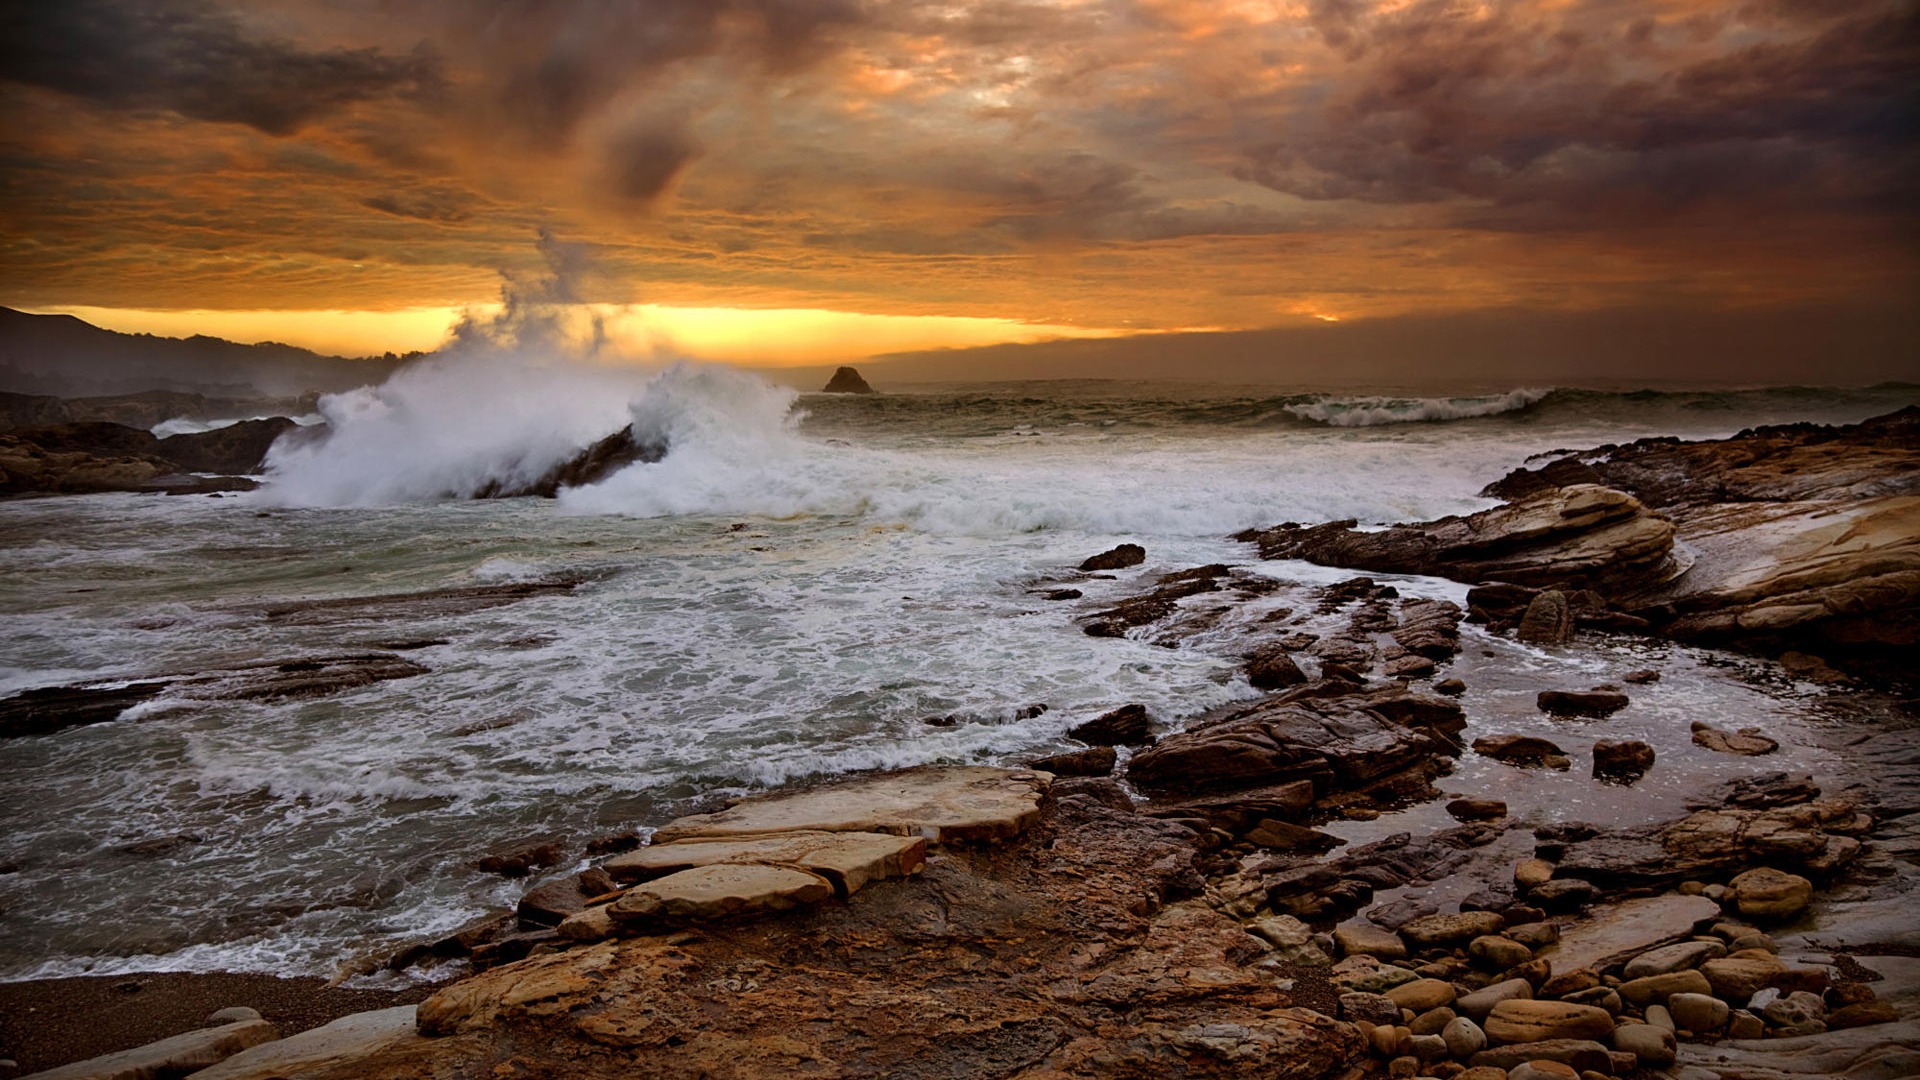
[
  {"x": 1374, "y": 411},
  {"x": 448, "y": 426}
]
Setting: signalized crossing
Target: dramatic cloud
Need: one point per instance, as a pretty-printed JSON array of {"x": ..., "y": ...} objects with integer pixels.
[
  {"x": 196, "y": 60},
  {"x": 1100, "y": 163}
]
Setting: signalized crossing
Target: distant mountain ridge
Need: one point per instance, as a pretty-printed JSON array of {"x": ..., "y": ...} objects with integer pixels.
[{"x": 69, "y": 357}]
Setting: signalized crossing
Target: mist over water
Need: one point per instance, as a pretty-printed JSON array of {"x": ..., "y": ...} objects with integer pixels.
[{"x": 790, "y": 592}]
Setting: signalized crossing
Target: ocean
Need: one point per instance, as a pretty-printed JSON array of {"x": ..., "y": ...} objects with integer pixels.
[{"x": 793, "y": 592}]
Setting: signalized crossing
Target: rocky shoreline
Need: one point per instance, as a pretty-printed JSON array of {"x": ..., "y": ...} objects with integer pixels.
[{"x": 1183, "y": 903}]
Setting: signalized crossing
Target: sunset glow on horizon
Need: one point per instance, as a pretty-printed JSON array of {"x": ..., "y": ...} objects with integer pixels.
[{"x": 801, "y": 181}]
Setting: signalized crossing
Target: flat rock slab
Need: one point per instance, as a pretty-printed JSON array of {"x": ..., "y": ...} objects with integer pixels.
[
  {"x": 1627, "y": 930},
  {"x": 332, "y": 1046},
  {"x": 963, "y": 805},
  {"x": 726, "y": 891},
  {"x": 178, "y": 1056},
  {"x": 847, "y": 859}
]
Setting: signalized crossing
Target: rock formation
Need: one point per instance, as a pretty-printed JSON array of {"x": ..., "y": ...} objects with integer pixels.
[{"x": 846, "y": 381}]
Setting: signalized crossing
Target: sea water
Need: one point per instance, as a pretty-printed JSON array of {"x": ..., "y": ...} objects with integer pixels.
[{"x": 804, "y": 586}]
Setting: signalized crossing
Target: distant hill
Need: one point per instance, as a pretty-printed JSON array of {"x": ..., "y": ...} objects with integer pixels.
[{"x": 64, "y": 356}]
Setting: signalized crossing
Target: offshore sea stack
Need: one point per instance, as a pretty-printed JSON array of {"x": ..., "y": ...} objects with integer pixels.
[
  {"x": 846, "y": 381},
  {"x": 1796, "y": 538}
]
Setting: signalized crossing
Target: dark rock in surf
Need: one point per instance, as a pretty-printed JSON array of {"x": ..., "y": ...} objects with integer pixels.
[
  {"x": 590, "y": 466},
  {"x": 549, "y": 904},
  {"x": 1526, "y": 750},
  {"x": 48, "y": 709},
  {"x": 1594, "y": 704},
  {"x": 1622, "y": 760},
  {"x": 1117, "y": 558},
  {"x": 1547, "y": 621},
  {"x": 1580, "y": 537},
  {"x": 1477, "y": 809},
  {"x": 846, "y": 381},
  {"x": 1128, "y": 725},
  {"x": 1096, "y": 761},
  {"x": 1429, "y": 628},
  {"x": 521, "y": 861},
  {"x": 1271, "y": 667}
]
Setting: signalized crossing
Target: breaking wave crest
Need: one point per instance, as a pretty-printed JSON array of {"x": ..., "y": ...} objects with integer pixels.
[{"x": 1375, "y": 411}]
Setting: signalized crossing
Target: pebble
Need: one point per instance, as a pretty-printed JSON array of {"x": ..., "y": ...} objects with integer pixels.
[
  {"x": 1531, "y": 872},
  {"x": 1432, "y": 1022},
  {"x": 1463, "y": 1037},
  {"x": 1404, "y": 1068},
  {"x": 1534, "y": 935},
  {"x": 233, "y": 1014},
  {"x": 1374, "y": 1008},
  {"x": 1542, "y": 1070},
  {"x": 1600, "y": 997},
  {"x": 1422, "y": 994},
  {"x": 1429, "y": 1047},
  {"x": 1658, "y": 1016},
  {"x": 1652, "y": 1046},
  {"x": 1744, "y": 1025},
  {"x": 1671, "y": 958},
  {"x": 1698, "y": 1013},
  {"x": 1658, "y": 987},
  {"x": 1361, "y": 939},
  {"x": 1481, "y": 1002},
  {"x": 1499, "y": 953}
]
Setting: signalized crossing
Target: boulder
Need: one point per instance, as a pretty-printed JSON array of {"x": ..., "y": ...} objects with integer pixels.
[
  {"x": 1499, "y": 953},
  {"x": 1523, "y": 1021},
  {"x": 1271, "y": 667},
  {"x": 1284, "y": 836},
  {"x": 1479, "y": 1004},
  {"x": 720, "y": 891},
  {"x": 1116, "y": 558},
  {"x": 1128, "y": 725},
  {"x": 1654, "y": 1047},
  {"x": 846, "y": 380},
  {"x": 1548, "y": 619},
  {"x": 1338, "y": 743},
  {"x": 1532, "y": 873},
  {"x": 1657, "y": 988},
  {"x": 1624, "y": 760},
  {"x": 549, "y": 903},
  {"x": 1670, "y": 958},
  {"x": 1766, "y": 893},
  {"x": 1451, "y": 929},
  {"x": 1577, "y": 1054},
  {"x": 1596, "y": 704},
  {"x": 1463, "y": 1037},
  {"x": 1737, "y": 978},
  {"x": 1701, "y": 1014},
  {"x": 1524, "y": 750},
  {"x": 846, "y": 859},
  {"x": 1476, "y": 809},
  {"x": 946, "y": 805},
  {"x": 1747, "y": 742},
  {"x": 1422, "y": 994},
  {"x": 1357, "y": 1006}
]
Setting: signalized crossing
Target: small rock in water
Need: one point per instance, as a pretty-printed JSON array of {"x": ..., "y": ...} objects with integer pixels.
[
  {"x": 1117, "y": 558},
  {"x": 1450, "y": 687},
  {"x": 1524, "y": 750},
  {"x": 1095, "y": 761},
  {"x": 1128, "y": 725},
  {"x": 1641, "y": 677},
  {"x": 1623, "y": 760},
  {"x": 1271, "y": 667},
  {"x": 520, "y": 863},
  {"x": 1747, "y": 742},
  {"x": 1651, "y": 1045},
  {"x": 1699, "y": 1013},
  {"x": 1589, "y": 703},
  {"x": 1477, "y": 809}
]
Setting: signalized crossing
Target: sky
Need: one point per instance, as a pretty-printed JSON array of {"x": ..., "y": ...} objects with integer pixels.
[{"x": 800, "y": 181}]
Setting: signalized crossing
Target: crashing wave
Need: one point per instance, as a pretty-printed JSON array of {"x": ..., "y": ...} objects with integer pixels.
[{"x": 1375, "y": 411}]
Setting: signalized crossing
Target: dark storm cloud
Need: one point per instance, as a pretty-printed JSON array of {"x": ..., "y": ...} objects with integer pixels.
[
  {"x": 194, "y": 59},
  {"x": 1567, "y": 113},
  {"x": 644, "y": 160}
]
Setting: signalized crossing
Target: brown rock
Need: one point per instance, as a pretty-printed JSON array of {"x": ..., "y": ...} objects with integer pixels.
[
  {"x": 1128, "y": 725},
  {"x": 1116, "y": 558},
  {"x": 1861, "y": 1014},
  {"x": 1094, "y": 761},
  {"x": 1477, "y": 809},
  {"x": 1449, "y": 929},
  {"x": 949, "y": 805},
  {"x": 1271, "y": 667},
  {"x": 1589, "y": 703},
  {"x": 720, "y": 891},
  {"x": 1624, "y": 760},
  {"x": 1422, "y": 994},
  {"x": 1520, "y": 750},
  {"x": 1748, "y": 742},
  {"x": 1657, "y": 988},
  {"x": 1766, "y": 893},
  {"x": 1737, "y": 978},
  {"x": 846, "y": 859},
  {"x": 1548, "y": 620}
]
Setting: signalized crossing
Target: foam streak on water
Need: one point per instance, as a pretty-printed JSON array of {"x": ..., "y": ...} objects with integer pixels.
[{"x": 789, "y": 593}]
